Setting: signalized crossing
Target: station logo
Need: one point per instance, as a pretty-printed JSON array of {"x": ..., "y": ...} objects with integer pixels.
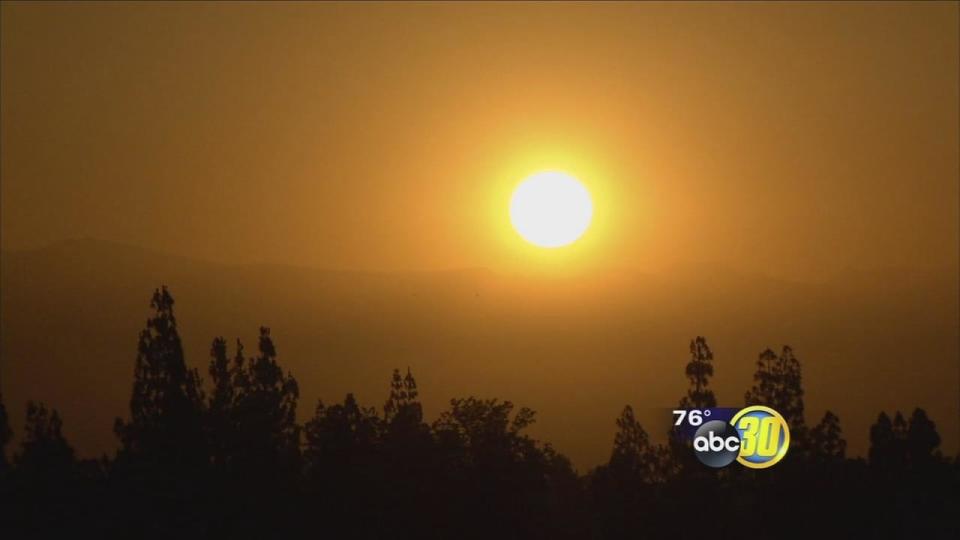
[{"x": 756, "y": 437}]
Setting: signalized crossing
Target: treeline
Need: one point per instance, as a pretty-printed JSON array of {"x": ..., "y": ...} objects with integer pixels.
[{"x": 226, "y": 456}]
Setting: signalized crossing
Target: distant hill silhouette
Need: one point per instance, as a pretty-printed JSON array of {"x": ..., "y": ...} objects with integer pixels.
[{"x": 577, "y": 349}]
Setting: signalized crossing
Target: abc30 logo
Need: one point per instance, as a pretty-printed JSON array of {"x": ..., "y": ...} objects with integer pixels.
[{"x": 757, "y": 437}]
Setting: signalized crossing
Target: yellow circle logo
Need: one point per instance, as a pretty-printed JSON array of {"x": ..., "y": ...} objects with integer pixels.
[{"x": 764, "y": 436}]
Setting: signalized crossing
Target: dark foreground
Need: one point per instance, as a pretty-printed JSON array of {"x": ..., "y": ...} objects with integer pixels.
[{"x": 225, "y": 456}]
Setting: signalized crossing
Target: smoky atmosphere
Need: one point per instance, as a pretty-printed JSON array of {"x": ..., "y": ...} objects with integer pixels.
[{"x": 447, "y": 270}]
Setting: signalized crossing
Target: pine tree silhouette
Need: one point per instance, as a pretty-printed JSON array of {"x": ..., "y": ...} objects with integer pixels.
[
  {"x": 46, "y": 474},
  {"x": 230, "y": 464},
  {"x": 221, "y": 421},
  {"x": 44, "y": 451},
  {"x": 397, "y": 397},
  {"x": 766, "y": 380},
  {"x": 166, "y": 406},
  {"x": 791, "y": 402},
  {"x": 699, "y": 370},
  {"x": 402, "y": 405},
  {"x": 254, "y": 438},
  {"x": 621, "y": 491},
  {"x": 265, "y": 408},
  {"x": 677, "y": 457},
  {"x": 409, "y": 459},
  {"x": 778, "y": 385},
  {"x": 410, "y": 387},
  {"x": 633, "y": 456}
]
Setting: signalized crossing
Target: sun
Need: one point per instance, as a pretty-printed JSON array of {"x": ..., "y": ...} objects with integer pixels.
[{"x": 551, "y": 209}]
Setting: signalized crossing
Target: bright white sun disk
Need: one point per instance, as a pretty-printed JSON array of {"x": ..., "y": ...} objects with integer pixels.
[{"x": 551, "y": 209}]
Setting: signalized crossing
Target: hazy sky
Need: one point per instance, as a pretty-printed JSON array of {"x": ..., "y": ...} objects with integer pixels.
[
  {"x": 790, "y": 139},
  {"x": 805, "y": 141}
]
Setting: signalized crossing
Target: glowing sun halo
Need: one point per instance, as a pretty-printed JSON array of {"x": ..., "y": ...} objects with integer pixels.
[{"x": 551, "y": 209}]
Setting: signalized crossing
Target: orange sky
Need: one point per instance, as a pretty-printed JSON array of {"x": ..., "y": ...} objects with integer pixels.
[
  {"x": 794, "y": 140},
  {"x": 762, "y": 174}
]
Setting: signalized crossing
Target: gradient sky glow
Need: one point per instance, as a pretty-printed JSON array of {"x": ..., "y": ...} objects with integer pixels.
[
  {"x": 800, "y": 138},
  {"x": 760, "y": 173}
]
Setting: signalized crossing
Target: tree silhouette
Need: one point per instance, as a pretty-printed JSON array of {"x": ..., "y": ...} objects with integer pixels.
[
  {"x": 253, "y": 436},
  {"x": 883, "y": 443},
  {"x": 337, "y": 434},
  {"x": 510, "y": 475},
  {"x": 778, "y": 385},
  {"x": 404, "y": 432},
  {"x": 922, "y": 440},
  {"x": 44, "y": 451},
  {"x": 913, "y": 489},
  {"x": 402, "y": 405},
  {"x": 899, "y": 450},
  {"x": 230, "y": 464},
  {"x": 633, "y": 456},
  {"x": 410, "y": 385},
  {"x": 826, "y": 440},
  {"x": 265, "y": 408},
  {"x": 166, "y": 406},
  {"x": 410, "y": 460},
  {"x": 888, "y": 443},
  {"x": 484, "y": 428},
  {"x": 677, "y": 457},
  {"x": 699, "y": 370},
  {"x": 343, "y": 466},
  {"x": 46, "y": 474},
  {"x": 620, "y": 490},
  {"x": 221, "y": 421},
  {"x": 766, "y": 380},
  {"x": 161, "y": 468},
  {"x": 397, "y": 396}
]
